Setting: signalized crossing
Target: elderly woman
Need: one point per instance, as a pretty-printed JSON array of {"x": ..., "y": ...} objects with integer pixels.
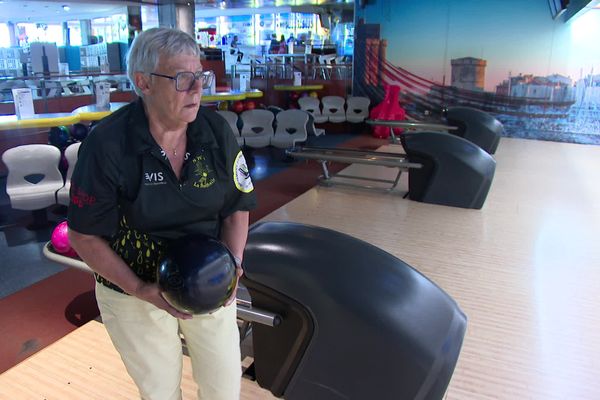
[{"x": 155, "y": 170}]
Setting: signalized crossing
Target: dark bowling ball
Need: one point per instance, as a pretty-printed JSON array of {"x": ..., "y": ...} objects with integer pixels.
[
  {"x": 198, "y": 274},
  {"x": 59, "y": 136},
  {"x": 79, "y": 131}
]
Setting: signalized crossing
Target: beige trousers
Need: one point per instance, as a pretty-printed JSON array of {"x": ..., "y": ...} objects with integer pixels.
[{"x": 147, "y": 338}]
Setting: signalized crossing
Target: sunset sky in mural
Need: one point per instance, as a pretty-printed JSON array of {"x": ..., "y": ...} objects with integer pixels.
[{"x": 513, "y": 36}]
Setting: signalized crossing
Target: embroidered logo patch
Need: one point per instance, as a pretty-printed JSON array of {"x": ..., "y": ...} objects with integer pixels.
[
  {"x": 154, "y": 178},
  {"x": 204, "y": 175},
  {"x": 241, "y": 174},
  {"x": 80, "y": 198}
]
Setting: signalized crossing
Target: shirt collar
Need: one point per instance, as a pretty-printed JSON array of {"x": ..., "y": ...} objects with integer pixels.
[{"x": 199, "y": 132}]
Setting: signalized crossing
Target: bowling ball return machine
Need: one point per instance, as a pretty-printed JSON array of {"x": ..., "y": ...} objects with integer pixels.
[
  {"x": 334, "y": 317},
  {"x": 356, "y": 322},
  {"x": 469, "y": 123},
  {"x": 443, "y": 169}
]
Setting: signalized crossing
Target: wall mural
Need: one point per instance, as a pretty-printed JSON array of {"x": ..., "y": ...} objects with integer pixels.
[{"x": 539, "y": 75}]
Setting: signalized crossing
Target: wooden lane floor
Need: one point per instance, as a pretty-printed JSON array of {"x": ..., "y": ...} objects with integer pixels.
[
  {"x": 85, "y": 365},
  {"x": 524, "y": 268}
]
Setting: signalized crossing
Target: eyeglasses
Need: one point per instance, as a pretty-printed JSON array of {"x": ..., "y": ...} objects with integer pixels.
[{"x": 184, "y": 81}]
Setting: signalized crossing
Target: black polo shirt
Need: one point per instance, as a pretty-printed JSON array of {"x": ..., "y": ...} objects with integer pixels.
[{"x": 123, "y": 187}]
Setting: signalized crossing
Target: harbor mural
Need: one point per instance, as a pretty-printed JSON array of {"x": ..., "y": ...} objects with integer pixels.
[{"x": 539, "y": 75}]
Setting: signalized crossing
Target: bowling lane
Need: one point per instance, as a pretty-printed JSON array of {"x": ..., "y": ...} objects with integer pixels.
[
  {"x": 85, "y": 365},
  {"x": 523, "y": 268}
]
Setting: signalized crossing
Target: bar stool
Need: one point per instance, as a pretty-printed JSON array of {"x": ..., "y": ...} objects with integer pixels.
[
  {"x": 339, "y": 66},
  {"x": 324, "y": 67},
  {"x": 277, "y": 65}
]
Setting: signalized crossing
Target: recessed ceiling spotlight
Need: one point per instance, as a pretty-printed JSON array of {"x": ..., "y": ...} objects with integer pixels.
[{"x": 66, "y": 7}]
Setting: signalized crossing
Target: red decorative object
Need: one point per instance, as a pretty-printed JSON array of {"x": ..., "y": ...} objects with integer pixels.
[{"x": 389, "y": 109}]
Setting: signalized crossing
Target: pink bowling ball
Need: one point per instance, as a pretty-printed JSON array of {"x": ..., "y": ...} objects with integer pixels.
[
  {"x": 60, "y": 238},
  {"x": 71, "y": 253}
]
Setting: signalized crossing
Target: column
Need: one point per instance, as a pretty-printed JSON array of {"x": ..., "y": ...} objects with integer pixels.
[
  {"x": 14, "y": 41},
  {"x": 134, "y": 21},
  {"x": 66, "y": 34},
  {"x": 177, "y": 14},
  {"x": 86, "y": 31}
]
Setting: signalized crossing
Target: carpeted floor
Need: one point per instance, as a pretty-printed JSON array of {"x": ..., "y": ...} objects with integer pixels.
[{"x": 43, "y": 312}]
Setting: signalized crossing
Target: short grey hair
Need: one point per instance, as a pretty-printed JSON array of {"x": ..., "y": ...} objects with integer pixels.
[{"x": 153, "y": 43}]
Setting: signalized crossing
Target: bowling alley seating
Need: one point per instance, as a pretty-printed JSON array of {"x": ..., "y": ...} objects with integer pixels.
[
  {"x": 275, "y": 109},
  {"x": 333, "y": 108},
  {"x": 357, "y": 108},
  {"x": 62, "y": 196},
  {"x": 291, "y": 129},
  {"x": 33, "y": 178},
  {"x": 313, "y": 106},
  {"x": 311, "y": 128},
  {"x": 257, "y": 128},
  {"x": 232, "y": 119}
]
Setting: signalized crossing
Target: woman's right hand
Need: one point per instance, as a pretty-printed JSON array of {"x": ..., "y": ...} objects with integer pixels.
[{"x": 151, "y": 293}]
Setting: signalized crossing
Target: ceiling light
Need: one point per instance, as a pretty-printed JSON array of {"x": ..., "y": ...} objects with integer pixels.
[{"x": 66, "y": 7}]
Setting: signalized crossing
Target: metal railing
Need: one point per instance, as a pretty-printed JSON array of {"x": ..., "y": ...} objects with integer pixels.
[
  {"x": 52, "y": 86},
  {"x": 286, "y": 70}
]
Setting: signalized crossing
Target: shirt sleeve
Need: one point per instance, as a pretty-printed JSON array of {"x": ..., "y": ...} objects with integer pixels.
[
  {"x": 93, "y": 195},
  {"x": 240, "y": 195}
]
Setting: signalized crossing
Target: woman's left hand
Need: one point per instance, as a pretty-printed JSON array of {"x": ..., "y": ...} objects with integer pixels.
[{"x": 238, "y": 274}]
